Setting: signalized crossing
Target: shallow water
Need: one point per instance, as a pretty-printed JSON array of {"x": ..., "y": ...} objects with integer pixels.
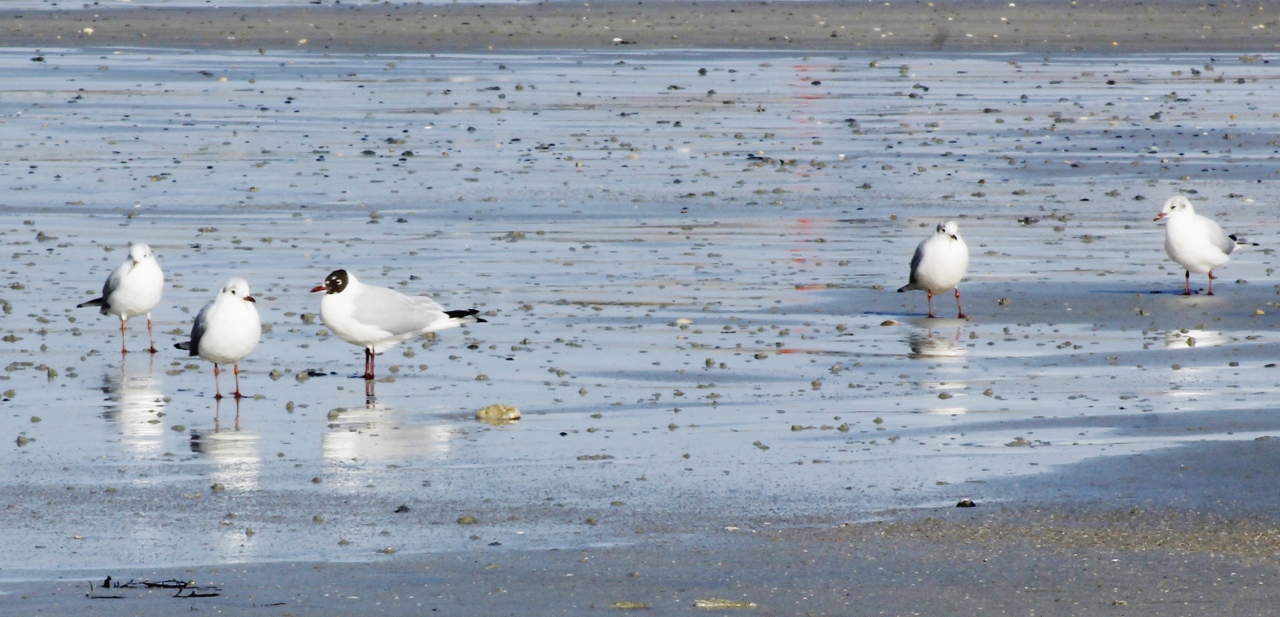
[{"x": 692, "y": 318}]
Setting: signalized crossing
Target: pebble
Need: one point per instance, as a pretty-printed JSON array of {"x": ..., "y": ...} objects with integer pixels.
[
  {"x": 720, "y": 604},
  {"x": 498, "y": 413}
]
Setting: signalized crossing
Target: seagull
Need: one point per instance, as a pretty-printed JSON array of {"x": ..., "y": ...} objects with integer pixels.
[
  {"x": 940, "y": 262},
  {"x": 1196, "y": 242},
  {"x": 132, "y": 289},
  {"x": 377, "y": 318},
  {"x": 226, "y": 330}
]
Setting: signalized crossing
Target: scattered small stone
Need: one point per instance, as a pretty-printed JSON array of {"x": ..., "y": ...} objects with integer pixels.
[
  {"x": 720, "y": 603},
  {"x": 966, "y": 503},
  {"x": 627, "y": 604},
  {"x": 467, "y": 520}
]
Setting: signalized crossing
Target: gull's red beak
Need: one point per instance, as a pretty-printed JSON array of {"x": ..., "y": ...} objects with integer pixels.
[
  {"x": 1158, "y": 217},
  {"x": 318, "y": 288},
  {"x": 250, "y": 299}
]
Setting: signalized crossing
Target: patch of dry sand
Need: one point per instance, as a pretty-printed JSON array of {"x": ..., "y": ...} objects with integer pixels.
[{"x": 1124, "y": 27}]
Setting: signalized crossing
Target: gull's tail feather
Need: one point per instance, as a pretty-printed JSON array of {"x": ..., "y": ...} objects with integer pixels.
[{"x": 98, "y": 302}]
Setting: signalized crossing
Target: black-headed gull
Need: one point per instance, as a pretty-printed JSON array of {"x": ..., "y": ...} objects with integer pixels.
[
  {"x": 377, "y": 318},
  {"x": 1196, "y": 242},
  {"x": 940, "y": 262},
  {"x": 133, "y": 289},
  {"x": 226, "y": 330}
]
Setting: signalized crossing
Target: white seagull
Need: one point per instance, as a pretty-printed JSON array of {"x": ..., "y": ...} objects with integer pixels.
[
  {"x": 1196, "y": 242},
  {"x": 377, "y": 318},
  {"x": 132, "y": 289},
  {"x": 226, "y": 330},
  {"x": 940, "y": 262}
]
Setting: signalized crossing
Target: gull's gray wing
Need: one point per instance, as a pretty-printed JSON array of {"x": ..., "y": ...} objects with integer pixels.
[
  {"x": 197, "y": 331},
  {"x": 1213, "y": 232},
  {"x": 915, "y": 265},
  {"x": 395, "y": 312}
]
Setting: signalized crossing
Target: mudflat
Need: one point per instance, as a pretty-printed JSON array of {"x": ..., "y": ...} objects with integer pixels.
[{"x": 684, "y": 223}]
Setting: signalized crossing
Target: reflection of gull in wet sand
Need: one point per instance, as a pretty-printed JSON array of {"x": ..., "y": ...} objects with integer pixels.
[
  {"x": 935, "y": 347},
  {"x": 377, "y": 318},
  {"x": 134, "y": 404},
  {"x": 236, "y": 462},
  {"x": 945, "y": 350},
  {"x": 378, "y": 433},
  {"x": 132, "y": 289},
  {"x": 1196, "y": 242},
  {"x": 226, "y": 330},
  {"x": 941, "y": 260}
]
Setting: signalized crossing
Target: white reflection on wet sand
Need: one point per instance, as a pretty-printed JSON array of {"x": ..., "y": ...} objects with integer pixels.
[
  {"x": 381, "y": 434},
  {"x": 136, "y": 405}
]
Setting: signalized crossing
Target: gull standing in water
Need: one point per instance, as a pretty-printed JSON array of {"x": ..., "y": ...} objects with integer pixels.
[
  {"x": 377, "y": 318},
  {"x": 132, "y": 289},
  {"x": 226, "y": 330},
  {"x": 940, "y": 262},
  {"x": 1196, "y": 242}
]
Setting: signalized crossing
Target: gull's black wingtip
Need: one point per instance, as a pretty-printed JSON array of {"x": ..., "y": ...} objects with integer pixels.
[{"x": 463, "y": 314}]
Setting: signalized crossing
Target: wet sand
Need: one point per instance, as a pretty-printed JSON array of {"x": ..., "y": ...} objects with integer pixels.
[
  {"x": 687, "y": 278},
  {"x": 1119, "y": 27}
]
